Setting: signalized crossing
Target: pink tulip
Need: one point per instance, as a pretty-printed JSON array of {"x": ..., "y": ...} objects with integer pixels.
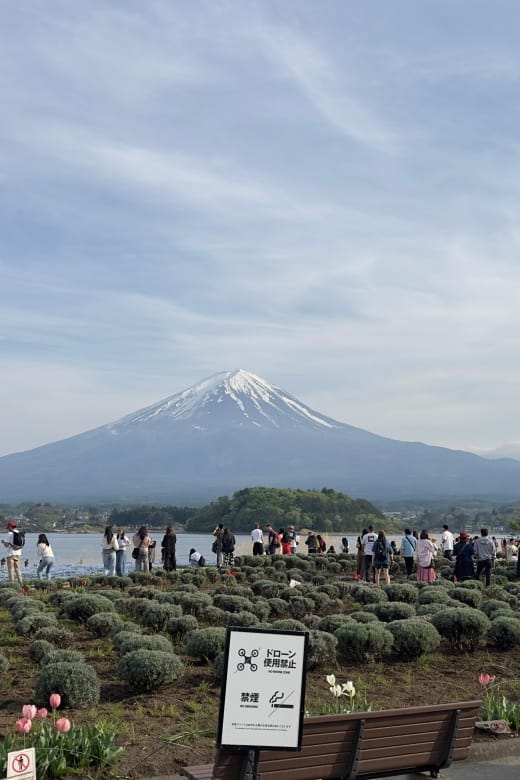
[
  {"x": 24, "y": 725},
  {"x": 63, "y": 725},
  {"x": 42, "y": 713},
  {"x": 485, "y": 679},
  {"x": 55, "y": 700},
  {"x": 29, "y": 711}
]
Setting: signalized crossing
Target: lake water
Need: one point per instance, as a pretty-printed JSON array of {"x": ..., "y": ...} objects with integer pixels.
[{"x": 81, "y": 553}]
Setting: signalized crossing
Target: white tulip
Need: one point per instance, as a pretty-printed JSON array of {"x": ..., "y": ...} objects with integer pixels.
[{"x": 331, "y": 679}]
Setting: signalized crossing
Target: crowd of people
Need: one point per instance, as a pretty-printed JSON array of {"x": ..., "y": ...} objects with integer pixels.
[{"x": 472, "y": 556}]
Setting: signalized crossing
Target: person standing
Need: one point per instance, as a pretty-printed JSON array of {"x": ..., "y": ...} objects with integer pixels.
[
  {"x": 228, "y": 547},
  {"x": 360, "y": 558},
  {"x": 257, "y": 537},
  {"x": 13, "y": 553},
  {"x": 218, "y": 533},
  {"x": 485, "y": 552},
  {"x": 286, "y": 541},
  {"x": 273, "y": 540},
  {"x": 293, "y": 538},
  {"x": 425, "y": 551},
  {"x": 322, "y": 544},
  {"x": 142, "y": 541},
  {"x": 46, "y": 556},
  {"x": 151, "y": 554},
  {"x": 382, "y": 556},
  {"x": 123, "y": 542},
  {"x": 312, "y": 543},
  {"x": 168, "y": 547},
  {"x": 110, "y": 547},
  {"x": 367, "y": 541},
  {"x": 408, "y": 545},
  {"x": 464, "y": 551},
  {"x": 447, "y": 542}
]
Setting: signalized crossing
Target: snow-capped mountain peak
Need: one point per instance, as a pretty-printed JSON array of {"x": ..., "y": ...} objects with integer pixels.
[{"x": 234, "y": 397}]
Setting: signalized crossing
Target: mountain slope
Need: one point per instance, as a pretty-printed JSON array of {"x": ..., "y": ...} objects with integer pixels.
[{"x": 235, "y": 430}]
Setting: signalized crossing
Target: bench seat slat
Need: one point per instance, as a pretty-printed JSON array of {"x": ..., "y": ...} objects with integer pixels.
[{"x": 200, "y": 772}]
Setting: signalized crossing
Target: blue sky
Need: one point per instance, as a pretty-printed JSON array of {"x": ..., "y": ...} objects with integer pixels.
[{"x": 323, "y": 193}]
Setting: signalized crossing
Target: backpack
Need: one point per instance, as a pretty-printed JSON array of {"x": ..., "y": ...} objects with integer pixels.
[
  {"x": 18, "y": 539},
  {"x": 202, "y": 561},
  {"x": 379, "y": 550}
]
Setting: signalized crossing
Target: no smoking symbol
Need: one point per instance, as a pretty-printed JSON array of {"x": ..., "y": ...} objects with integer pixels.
[{"x": 20, "y": 763}]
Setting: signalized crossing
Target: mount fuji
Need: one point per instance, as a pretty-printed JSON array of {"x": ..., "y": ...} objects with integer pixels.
[{"x": 235, "y": 430}]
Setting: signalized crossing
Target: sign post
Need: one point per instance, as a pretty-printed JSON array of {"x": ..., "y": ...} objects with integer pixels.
[{"x": 263, "y": 693}]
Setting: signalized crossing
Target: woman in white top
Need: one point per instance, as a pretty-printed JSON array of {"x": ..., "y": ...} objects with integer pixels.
[
  {"x": 123, "y": 542},
  {"x": 195, "y": 558},
  {"x": 46, "y": 556},
  {"x": 110, "y": 547}
]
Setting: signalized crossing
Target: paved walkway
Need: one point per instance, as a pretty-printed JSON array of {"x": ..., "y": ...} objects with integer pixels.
[{"x": 494, "y": 760}]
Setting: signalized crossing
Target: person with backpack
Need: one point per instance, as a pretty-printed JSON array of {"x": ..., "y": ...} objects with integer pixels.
[
  {"x": 46, "y": 556},
  {"x": 408, "y": 545},
  {"x": 312, "y": 543},
  {"x": 14, "y": 540},
  {"x": 382, "y": 556}
]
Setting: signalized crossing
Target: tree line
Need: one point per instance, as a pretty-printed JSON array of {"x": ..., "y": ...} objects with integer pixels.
[{"x": 326, "y": 510}]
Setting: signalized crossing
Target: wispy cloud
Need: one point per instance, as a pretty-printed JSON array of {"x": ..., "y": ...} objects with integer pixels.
[{"x": 326, "y": 87}]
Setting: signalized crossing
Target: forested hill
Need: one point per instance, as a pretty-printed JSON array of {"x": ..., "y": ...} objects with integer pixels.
[{"x": 326, "y": 510}]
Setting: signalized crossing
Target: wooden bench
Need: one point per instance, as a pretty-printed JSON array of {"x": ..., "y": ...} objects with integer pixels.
[{"x": 360, "y": 745}]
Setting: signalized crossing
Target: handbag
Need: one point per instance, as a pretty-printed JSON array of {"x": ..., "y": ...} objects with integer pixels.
[
  {"x": 214, "y": 546},
  {"x": 135, "y": 553}
]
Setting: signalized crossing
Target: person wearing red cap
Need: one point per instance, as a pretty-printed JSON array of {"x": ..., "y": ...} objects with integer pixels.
[{"x": 13, "y": 554}]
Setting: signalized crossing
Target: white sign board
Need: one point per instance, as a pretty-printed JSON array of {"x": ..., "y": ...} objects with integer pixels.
[
  {"x": 21, "y": 764},
  {"x": 263, "y": 694}
]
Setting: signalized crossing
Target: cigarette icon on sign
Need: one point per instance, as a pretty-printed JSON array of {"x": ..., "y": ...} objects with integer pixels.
[{"x": 278, "y": 701}]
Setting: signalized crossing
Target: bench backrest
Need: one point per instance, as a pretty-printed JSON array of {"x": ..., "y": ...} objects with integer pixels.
[{"x": 366, "y": 744}]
